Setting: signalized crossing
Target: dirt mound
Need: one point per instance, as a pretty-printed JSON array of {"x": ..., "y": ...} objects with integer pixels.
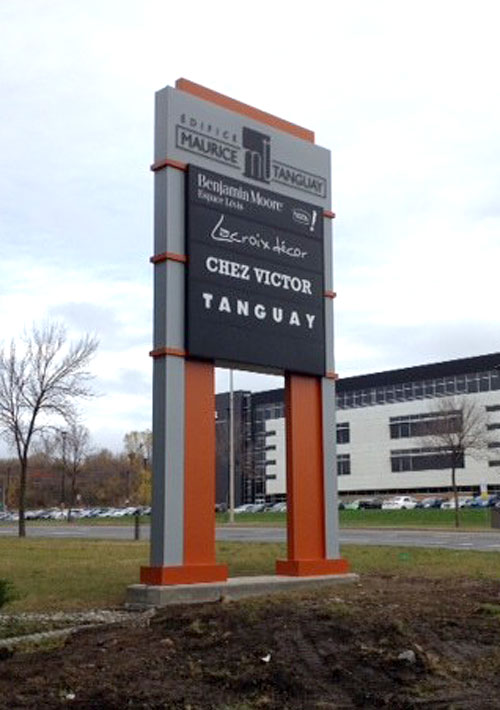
[{"x": 387, "y": 642}]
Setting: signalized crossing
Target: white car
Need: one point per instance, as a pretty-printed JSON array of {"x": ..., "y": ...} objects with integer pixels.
[
  {"x": 450, "y": 504},
  {"x": 245, "y": 508},
  {"x": 400, "y": 503}
]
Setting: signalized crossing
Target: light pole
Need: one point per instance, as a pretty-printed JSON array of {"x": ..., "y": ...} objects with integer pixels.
[
  {"x": 231, "y": 447},
  {"x": 131, "y": 458},
  {"x": 63, "y": 475}
]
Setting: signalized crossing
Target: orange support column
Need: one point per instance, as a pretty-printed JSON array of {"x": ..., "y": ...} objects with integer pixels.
[
  {"x": 305, "y": 482},
  {"x": 199, "y": 483}
]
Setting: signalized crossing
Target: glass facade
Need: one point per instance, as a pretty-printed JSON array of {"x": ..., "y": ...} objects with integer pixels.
[{"x": 422, "y": 389}]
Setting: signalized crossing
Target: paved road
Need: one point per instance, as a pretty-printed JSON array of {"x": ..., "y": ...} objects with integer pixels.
[{"x": 488, "y": 540}]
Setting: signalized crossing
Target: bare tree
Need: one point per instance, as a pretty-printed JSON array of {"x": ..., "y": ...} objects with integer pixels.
[
  {"x": 458, "y": 429},
  {"x": 77, "y": 447},
  {"x": 39, "y": 383},
  {"x": 68, "y": 447}
]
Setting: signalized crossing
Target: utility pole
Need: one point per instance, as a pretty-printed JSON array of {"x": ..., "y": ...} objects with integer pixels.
[
  {"x": 7, "y": 490},
  {"x": 63, "y": 474},
  {"x": 231, "y": 447}
]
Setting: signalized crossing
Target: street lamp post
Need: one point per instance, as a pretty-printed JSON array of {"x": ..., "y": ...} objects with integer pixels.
[
  {"x": 63, "y": 474},
  {"x": 231, "y": 447}
]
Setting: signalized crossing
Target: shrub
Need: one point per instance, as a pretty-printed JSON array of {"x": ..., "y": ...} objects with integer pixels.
[{"x": 7, "y": 592}]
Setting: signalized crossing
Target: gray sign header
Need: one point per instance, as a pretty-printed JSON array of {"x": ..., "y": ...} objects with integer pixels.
[{"x": 218, "y": 139}]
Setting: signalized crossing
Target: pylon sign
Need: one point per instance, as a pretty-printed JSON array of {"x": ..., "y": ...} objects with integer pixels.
[{"x": 243, "y": 275}]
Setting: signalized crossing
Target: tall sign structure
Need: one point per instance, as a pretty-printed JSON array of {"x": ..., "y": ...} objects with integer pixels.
[{"x": 243, "y": 278}]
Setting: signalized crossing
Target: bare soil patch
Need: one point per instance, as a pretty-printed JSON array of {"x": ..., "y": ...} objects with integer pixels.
[{"x": 386, "y": 642}]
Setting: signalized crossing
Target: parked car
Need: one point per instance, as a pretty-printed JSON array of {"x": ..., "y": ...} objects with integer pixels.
[
  {"x": 245, "y": 508},
  {"x": 278, "y": 507},
  {"x": 431, "y": 502},
  {"x": 463, "y": 502},
  {"x": 400, "y": 503},
  {"x": 370, "y": 504},
  {"x": 352, "y": 504},
  {"x": 256, "y": 508}
]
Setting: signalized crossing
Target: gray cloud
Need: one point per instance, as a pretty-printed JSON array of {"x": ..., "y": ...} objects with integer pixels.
[
  {"x": 382, "y": 347},
  {"x": 100, "y": 320},
  {"x": 134, "y": 382}
]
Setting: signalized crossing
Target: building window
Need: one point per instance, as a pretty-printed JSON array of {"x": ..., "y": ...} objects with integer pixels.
[
  {"x": 424, "y": 424},
  {"x": 472, "y": 383},
  {"x": 495, "y": 462},
  {"x": 343, "y": 465},
  {"x": 493, "y": 408},
  {"x": 343, "y": 435},
  {"x": 271, "y": 477},
  {"x": 490, "y": 427},
  {"x": 424, "y": 459},
  {"x": 271, "y": 463}
]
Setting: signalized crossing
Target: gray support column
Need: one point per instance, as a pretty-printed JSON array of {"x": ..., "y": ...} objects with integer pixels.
[
  {"x": 328, "y": 404},
  {"x": 330, "y": 470},
  {"x": 328, "y": 254},
  {"x": 167, "y": 522},
  {"x": 167, "y": 519}
]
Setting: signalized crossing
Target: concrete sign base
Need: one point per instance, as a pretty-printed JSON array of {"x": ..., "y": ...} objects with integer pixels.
[{"x": 142, "y": 596}]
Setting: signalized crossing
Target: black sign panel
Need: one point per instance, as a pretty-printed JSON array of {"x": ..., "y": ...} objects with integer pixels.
[{"x": 255, "y": 276}]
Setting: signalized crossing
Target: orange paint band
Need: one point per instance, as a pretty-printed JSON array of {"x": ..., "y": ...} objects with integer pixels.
[
  {"x": 168, "y": 256},
  {"x": 168, "y": 163},
  {"x": 201, "y": 92},
  {"x": 163, "y": 352}
]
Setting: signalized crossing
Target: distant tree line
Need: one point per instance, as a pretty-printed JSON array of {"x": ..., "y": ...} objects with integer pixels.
[{"x": 103, "y": 478}]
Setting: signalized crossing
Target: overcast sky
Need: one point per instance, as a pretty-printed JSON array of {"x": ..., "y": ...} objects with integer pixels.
[{"x": 405, "y": 95}]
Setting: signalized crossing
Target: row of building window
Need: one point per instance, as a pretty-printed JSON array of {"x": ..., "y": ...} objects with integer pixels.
[
  {"x": 424, "y": 459},
  {"x": 425, "y": 424},
  {"x": 414, "y": 425},
  {"x": 423, "y": 389}
]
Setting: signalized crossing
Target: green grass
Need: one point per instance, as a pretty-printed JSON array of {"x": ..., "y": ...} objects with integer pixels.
[
  {"x": 470, "y": 518},
  {"x": 69, "y": 574},
  {"x": 423, "y": 562},
  {"x": 73, "y": 574}
]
